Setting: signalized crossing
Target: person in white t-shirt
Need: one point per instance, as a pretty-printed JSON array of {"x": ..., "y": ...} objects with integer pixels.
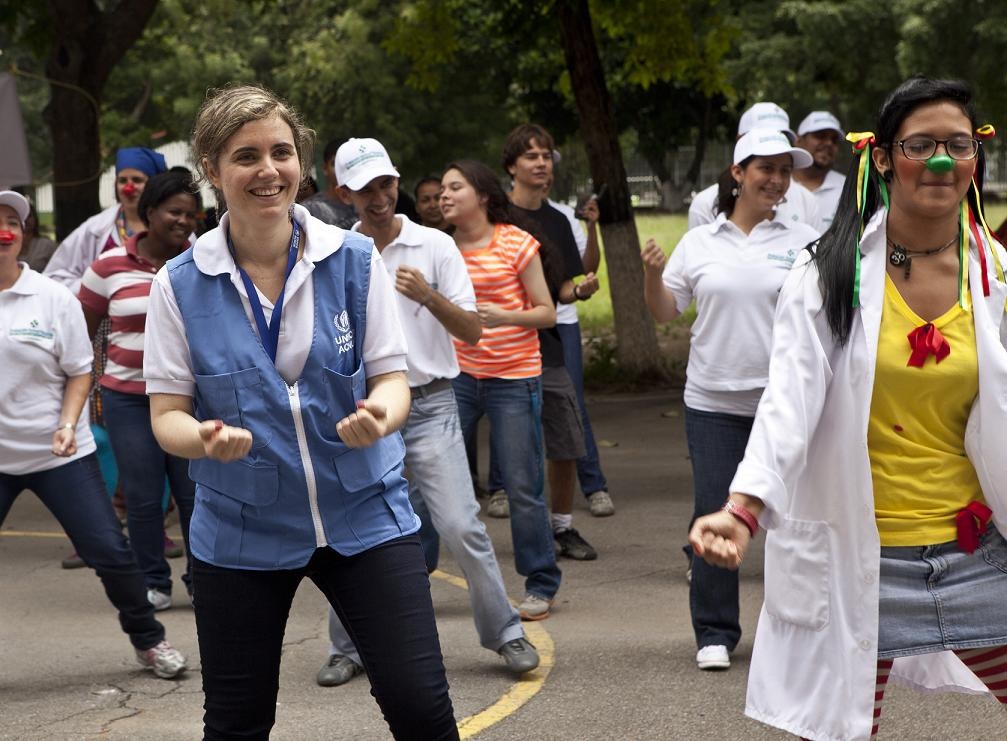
[
  {"x": 798, "y": 205},
  {"x": 820, "y": 133},
  {"x": 733, "y": 269},
  {"x": 45, "y": 440}
]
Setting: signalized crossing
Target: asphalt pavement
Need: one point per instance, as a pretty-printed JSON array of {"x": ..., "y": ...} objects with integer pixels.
[{"x": 620, "y": 638}]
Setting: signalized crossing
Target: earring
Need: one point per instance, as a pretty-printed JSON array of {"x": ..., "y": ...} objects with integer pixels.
[{"x": 736, "y": 190}]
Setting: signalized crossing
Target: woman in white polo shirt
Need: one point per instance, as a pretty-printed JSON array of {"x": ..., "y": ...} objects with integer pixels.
[
  {"x": 733, "y": 269},
  {"x": 45, "y": 441}
]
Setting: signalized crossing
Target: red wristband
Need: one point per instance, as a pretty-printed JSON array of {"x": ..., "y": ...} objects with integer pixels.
[{"x": 742, "y": 514}]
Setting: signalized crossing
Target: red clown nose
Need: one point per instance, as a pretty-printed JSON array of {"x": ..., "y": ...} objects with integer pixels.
[
  {"x": 7, "y": 237},
  {"x": 129, "y": 190}
]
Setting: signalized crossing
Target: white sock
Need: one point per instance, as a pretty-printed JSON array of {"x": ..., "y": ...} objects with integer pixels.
[{"x": 560, "y": 522}]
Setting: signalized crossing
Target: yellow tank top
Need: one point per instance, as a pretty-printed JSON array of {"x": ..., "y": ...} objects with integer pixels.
[{"x": 916, "y": 432}]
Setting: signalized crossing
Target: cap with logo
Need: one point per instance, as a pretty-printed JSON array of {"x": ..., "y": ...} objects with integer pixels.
[
  {"x": 766, "y": 143},
  {"x": 820, "y": 121},
  {"x": 765, "y": 115},
  {"x": 359, "y": 161}
]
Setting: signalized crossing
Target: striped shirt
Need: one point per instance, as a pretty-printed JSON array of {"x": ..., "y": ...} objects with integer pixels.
[
  {"x": 507, "y": 351},
  {"x": 117, "y": 285}
]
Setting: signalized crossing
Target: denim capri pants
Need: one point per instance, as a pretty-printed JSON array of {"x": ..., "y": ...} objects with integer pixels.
[{"x": 938, "y": 597}]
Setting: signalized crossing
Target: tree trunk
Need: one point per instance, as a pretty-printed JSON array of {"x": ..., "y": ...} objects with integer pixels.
[
  {"x": 636, "y": 341},
  {"x": 86, "y": 45},
  {"x": 695, "y": 167}
]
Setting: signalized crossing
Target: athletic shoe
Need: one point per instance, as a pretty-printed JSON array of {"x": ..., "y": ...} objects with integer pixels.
[
  {"x": 520, "y": 655},
  {"x": 166, "y": 661},
  {"x": 570, "y": 544},
  {"x": 600, "y": 504},
  {"x": 338, "y": 670},
  {"x": 534, "y": 607},
  {"x": 160, "y": 600},
  {"x": 73, "y": 561},
  {"x": 498, "y": 505},
  {"x": 712, "y": 658},
  {"x": 171, "y": 548}
]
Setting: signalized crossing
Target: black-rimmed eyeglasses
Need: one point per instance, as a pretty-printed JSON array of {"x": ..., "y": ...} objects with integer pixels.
[{"x": 923, "y": 147}]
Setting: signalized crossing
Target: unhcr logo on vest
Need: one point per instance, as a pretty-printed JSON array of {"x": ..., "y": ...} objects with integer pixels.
[{"x": 345, "y": 337}]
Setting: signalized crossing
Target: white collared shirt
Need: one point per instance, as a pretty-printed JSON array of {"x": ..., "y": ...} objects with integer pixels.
[
  {"x": 735, "y": 279},
  {"x": 167, "y": 366},
  {"x": 43, "y": 342},
  {"x": 827, "y": 195},
  {"x": 798, "y": 206},
  {"x": 433, "y": 253},
  {"x": 567, "y": 313}
]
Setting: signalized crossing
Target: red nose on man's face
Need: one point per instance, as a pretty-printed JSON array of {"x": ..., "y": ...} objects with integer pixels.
[{"x": 129, "y": 189}]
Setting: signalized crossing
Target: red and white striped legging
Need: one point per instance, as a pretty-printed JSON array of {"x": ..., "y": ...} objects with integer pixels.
[{"x": 989, "y": 664}]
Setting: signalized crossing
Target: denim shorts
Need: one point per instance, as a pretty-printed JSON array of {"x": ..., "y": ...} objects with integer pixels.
[{"x": 938, "y": 597}]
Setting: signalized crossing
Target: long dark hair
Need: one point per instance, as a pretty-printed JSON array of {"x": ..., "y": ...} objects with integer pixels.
[
  {"x": 499, "y": 210},
  {"x": 727, "y": 188},
  {"x": 835, "y": 254}
]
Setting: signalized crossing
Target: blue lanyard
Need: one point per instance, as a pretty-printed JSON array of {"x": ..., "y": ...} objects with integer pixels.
[{"x": 269, "y": 334}]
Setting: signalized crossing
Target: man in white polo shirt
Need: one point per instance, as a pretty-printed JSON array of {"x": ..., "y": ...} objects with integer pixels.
[
  {"x": 798, "y": 206},
  {"x": 436, "y": 302},
  {"x": 820, "y": 134}
]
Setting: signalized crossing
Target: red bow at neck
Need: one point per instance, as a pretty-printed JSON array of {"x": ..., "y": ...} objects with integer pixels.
[{"x": 924, "y": 341}]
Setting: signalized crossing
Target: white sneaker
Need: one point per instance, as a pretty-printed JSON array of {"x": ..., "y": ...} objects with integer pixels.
[
  {"x": 713, "y": 657},
  {"x": 166, "y": 661},
  {"x": 600, "y": 504},
  {"x": 499, "y": 505},
  {"x": 160, "y": 600}
]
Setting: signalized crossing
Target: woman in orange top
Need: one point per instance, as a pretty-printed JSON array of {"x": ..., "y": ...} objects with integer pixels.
[{"x": 500, "y": 376}]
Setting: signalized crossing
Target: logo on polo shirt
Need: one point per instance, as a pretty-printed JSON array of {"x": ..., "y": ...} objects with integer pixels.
[
  {"x": 344, "y": 340},
  {"x": 788, "y": 258},
  {"x": 31, "y": 332}
]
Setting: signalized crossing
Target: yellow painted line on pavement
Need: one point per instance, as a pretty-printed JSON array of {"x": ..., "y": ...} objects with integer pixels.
[
  {"x": 30, "y": 534},
  {"x": 523, "y": 689}
]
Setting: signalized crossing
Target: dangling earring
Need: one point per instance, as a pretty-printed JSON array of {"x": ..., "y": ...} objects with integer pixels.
[{"x": 736, "y": 190}]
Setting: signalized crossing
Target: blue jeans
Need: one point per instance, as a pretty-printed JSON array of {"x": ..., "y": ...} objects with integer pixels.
[
  {"x": 382, "y": 595},
  {"x": 75, "y": 494},
  {"x": 439, "y": 481},
  {"x": 514, "y": 409},
  {"x": 142, "y": 470},
  {"x": 716, "y": 446},
  {"x": 589, "y": 466}
]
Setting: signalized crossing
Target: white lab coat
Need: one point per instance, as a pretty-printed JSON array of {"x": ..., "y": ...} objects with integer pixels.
[
  {"x": 82, "y": 247},
  {"x": 814, "y": 661}
]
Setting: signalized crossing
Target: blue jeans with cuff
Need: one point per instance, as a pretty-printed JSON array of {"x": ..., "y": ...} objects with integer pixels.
[{"x": 514, "y": 408}]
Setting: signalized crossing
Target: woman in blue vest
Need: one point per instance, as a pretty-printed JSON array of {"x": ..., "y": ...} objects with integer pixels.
[{"x": 276, "y": 363}]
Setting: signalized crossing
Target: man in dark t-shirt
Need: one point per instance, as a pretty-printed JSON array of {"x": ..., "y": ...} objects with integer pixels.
[
  {"x": 327, "y": 205},
  {"x": 528, "y": 159}
]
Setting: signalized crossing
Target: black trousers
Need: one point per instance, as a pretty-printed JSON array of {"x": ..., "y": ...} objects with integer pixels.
[{"x": 382, "y": 597}]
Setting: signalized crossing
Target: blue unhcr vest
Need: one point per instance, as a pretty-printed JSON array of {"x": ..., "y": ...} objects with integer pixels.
[{"x": 300, "y": 488}]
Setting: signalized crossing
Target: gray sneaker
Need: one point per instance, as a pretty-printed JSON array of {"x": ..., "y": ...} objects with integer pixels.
[
  {"x": 520, "y": 655},
  {"x": 338, "y": 670},
  {"x": 534, "y": 607},
  {"x": 600, "y": 504},
  {"x": 498, "y": 505}
]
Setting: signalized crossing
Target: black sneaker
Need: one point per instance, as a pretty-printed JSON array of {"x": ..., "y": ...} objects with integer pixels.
[{"x": 571, "y": 545}]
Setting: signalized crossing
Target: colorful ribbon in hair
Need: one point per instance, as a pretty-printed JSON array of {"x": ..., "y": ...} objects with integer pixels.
[
  {"x": 862, "y": 141},
  {"x": 986, "y": 131}
]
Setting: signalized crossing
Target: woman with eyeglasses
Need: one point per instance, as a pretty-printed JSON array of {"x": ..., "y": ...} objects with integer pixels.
[{"x": 876, "y": 460}]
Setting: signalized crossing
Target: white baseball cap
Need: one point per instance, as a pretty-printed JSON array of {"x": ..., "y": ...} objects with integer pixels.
[
  {"x": 359, "y": 161},
  {"x": 17, "y": 202},
  {"x": 765, "y": 115},
  {"x": 768, "y": 142},
  {"x": 820, "y": 121}
]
